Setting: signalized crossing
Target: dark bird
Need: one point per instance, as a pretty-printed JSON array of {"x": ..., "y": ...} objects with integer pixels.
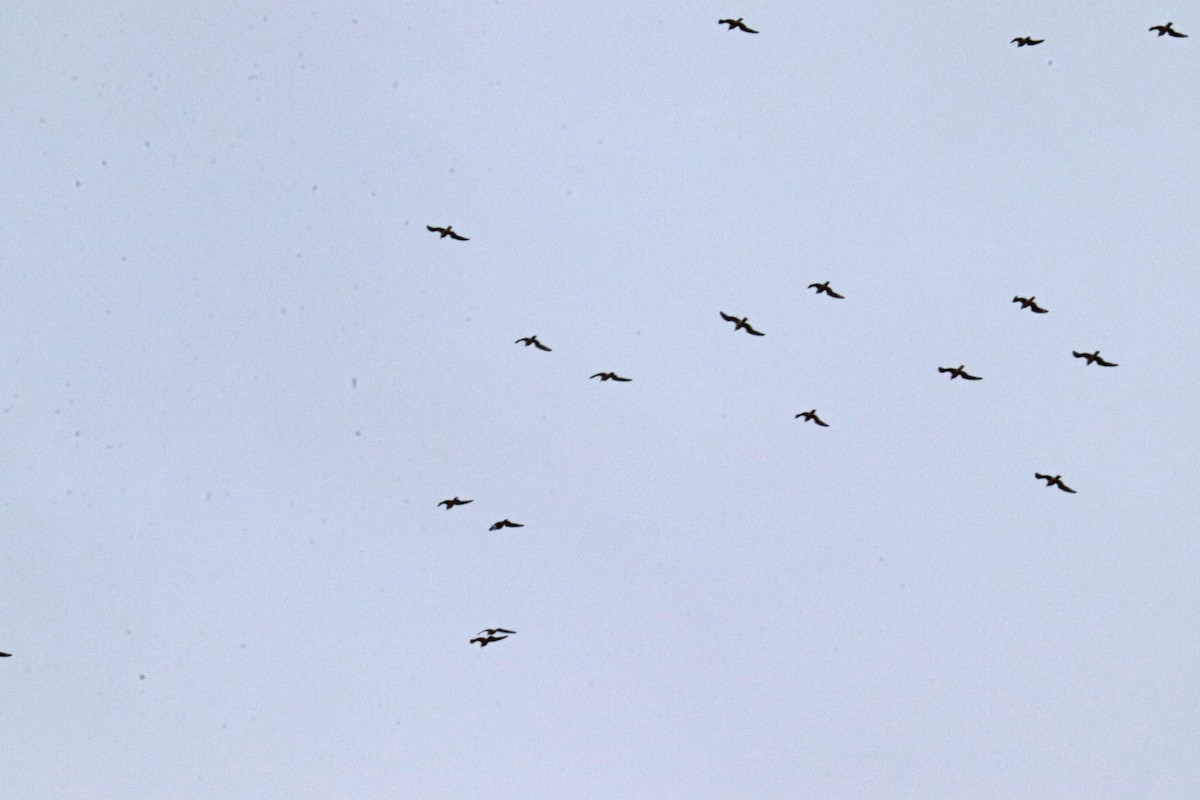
[
  {"x": 1024, "y": 40},
  {"x": 1055, "y": 480},
  {"x": 1027, "y": 302},
  {"x": 738, "y": 24},
  {"x": 1093, "y": 358},
  {"x": 454, "y": 501},
  {"x": 504, "y": 523},
  {"x": 1167, "y": 29},
  {"x": 447, "y": 231},
  {"x": 532, "y": 340},
  {"x": 741, "y": 323},
  {"x": 5, "y": 655},
  {"x": 610, "y": 376},
  {"x": 824, "y": 287},
  {"x": 484, "y": 642},
  {"x": 811, "y": 416},
  {"x": 959, "y": 372},
  {"x": 493, "y": 631}
]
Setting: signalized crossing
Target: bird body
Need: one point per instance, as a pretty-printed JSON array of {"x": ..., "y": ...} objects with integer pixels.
[
  {"x": 1093, "y": 358},
  {"x": 1027, "y": 302},
  {"x": 610, "y": 376},
  {"x": 736, "y": 24},
  {"x": 484, "y": 642},
  {"x": 1053, "y": 480},
  {"x": 959, "y": 372},
  {"x": 454, "y": 501},
  {"x": 811, "y": 416},
  {"x": 1167, "y": 29},
  {"x": 446, "y": 231},
  {"x": 739, "y": 324},
  {"x": 824, "y": 287},
  {"x": 532, "y": 340},
  {"x": 505, "y": 523},
  {"x": 1025, "y": 40}
]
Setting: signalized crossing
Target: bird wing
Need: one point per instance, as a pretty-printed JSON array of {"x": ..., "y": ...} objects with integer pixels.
[
  {"x": 742, "y": 25},
  {"x": 832, "y": 293},
  {"x": 728, "y": 22},
  {"x": 1065, "y": 488},
  {"x": 1104, "y": 363},
  {"x": 5, "y": 655},
  {"x": 1037, "y": 309},
  {"x": 508, "y": 524},
  {"x": 496, "y": 526},
  {"x": 464, "y": 502},
  {"x": 525, "y": 341},
  {"x": 540, "y": 346},
  {"x": 1080, "y": 355},
  {"x": 1036, "y": 41},
  {"x": 454, "y": 235},
  {"x": 599, "y": 375},
  {"x": 728, "y": 318},
  {"x": 445, "y": 503},
  {"x": 971, "y": 377},
  {"x": 817, "y": 420},
  {"x": 1017, "y": 40},
  {"x": 1176, "y": 34},
  {"x": 753, "y": 332},
  {"x": 504, "y": 630},
  {"x": 431, "y": 228},
  {"x": 1042, "y": 477},
  {"x": 945, "y": 369},
  {"x": 816, "y": 286},
  {"x": 623, "y": 380}
]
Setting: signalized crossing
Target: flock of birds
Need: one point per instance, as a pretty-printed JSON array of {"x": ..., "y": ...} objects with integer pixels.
[{"x": 489, "y": 635}]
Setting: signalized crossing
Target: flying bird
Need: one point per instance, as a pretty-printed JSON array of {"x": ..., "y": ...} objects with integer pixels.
[
  {"x": 505, "y": 523},
  {"x": 610, "y": 376},
  {"x": 532, "y": 340},
  {"x": 811, "y": 416},
  {"x": 484, "y": 642},
  {"x": 959, "y": 372},
  {"x": 1024, "y": 40},
  {"x": 1093, "y": 358},
  {"x": 824, "y": 287},
  {"x": 1027, "y": 302},
  {"x": 738, "y": 24},
  {"x": 1167, "y": 29},
  {"x": 1055, "y": 480},
  {"x": 447, "y": 231},
  {"x": 494, "y": 631},
  {"x": 454, "y": 501},
  {"x": 741, "y": 323}
]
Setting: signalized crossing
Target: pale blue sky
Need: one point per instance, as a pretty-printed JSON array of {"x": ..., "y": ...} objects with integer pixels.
[{"x": 238, "y": 374}]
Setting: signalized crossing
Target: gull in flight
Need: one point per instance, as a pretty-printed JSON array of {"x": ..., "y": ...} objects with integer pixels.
[
  {"x": 1093, "y": 358},
  {"x": 1168, "y": 30},
  {"x": 505, "y": 523},
  {"x": 1053, "y": 480},
  {"x": 824, "y": 287},
  {"x": 532, "y": 340},
  {"x": 610, "y": 376},
  {"x": 811, "y": 416},
  {"x": 741, "y": 323},
  {"x": 1024, "y": 40},
  {"x": 454, "y": 501},
  {"x": 959, "y": 372},
  {"x": 738, "y": 24},
  {"x": 1027, "y": 302},
  {"x": 447, "y": 231}
]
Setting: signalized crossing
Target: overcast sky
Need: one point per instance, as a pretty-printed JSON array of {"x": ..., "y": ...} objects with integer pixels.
[{"x": 239, "y": 374}]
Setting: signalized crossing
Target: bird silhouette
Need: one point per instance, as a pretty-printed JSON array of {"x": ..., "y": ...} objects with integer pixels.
[
  {"x": 1027, "y": 302},
  {"x": 1055, "y": 480},
  {"x": 959, "y": 372},
  {"x": 1167, "y": 29},
  {"x": 824, "y": 287},
  {"x": 1024, "y": 40},
  {"x": 610, "y": 376},
  {"x": 5, "y": 655},
  {"x": 532, "y": 340},
  {"x": 736, "y": 23},
  {"x": 811, "y": 416},
  {"x": 454, "y": 501},
  {"x": 484, "y": 642},
  {"x": 1093, "y": 358},
  {"x": 493, "y": 631},
  {"x": 447, "y": 231},
  {"x": 505, "y": 523},
  {"x": 739, "y": 324}
]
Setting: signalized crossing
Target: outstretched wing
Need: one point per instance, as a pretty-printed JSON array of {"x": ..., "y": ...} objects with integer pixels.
[
  {"x": 1080, "y": 355},
  {"x": 1104, "y": 363},
  {"x": 525, "y": 341},
  {"x": 816, "y": 286},
  {"x": 1042, "y": 477},
  {"x": 599, "y": 375},
  {"x": 753, "y": 332},
  {"x": 832, "y": 293},
  {"x": 1065, "y": 488},
  {"x": 504, "y": 630},
  {"x": 622, "y": 380},
  {"x": 1176, "y": 34},
  {"x": 445, "y": 503},
  {"x": 508, "y": 524},
  {"x": 971, "y": 377},
  {"x": 1037, "y": 309},
  {"x": 1034, "y": 41},
  {"x": 728, "y": 318},
  {"x": 945, "y": 369},
  {"x": 540, "y": 346},
  {"x": 454, "y": 235},
  {"x": 742, "y": 25},
  {"x": 817, "y": 420},
  {"x": 431, "y": 228}
]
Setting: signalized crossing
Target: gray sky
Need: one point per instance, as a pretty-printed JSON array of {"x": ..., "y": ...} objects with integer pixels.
[{"x": 238, "y": 374}]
